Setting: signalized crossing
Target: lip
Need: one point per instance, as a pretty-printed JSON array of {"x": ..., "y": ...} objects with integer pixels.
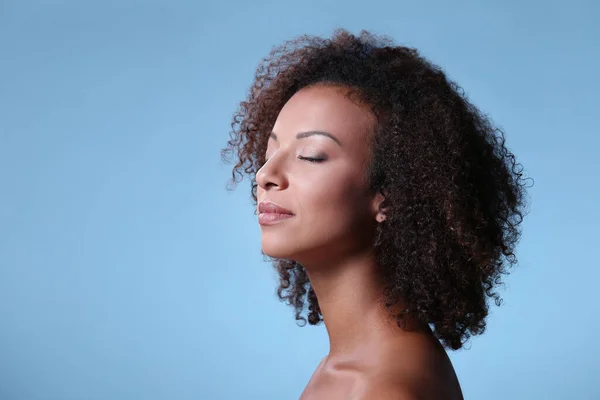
[
  {"x": 272, "y": 208},
  {"x": 271, "y": 213}
]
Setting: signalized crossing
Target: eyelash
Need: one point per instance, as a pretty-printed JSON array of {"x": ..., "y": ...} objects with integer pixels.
[
  {"x": 309, "y": 159},
  {"x": 312, "y": 159}
]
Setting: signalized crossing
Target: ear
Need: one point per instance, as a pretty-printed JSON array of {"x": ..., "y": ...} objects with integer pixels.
[{"x": 378, "y": 211}]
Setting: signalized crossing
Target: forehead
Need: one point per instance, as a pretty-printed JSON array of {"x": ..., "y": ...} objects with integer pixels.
[{"x": 329, "y": 109}]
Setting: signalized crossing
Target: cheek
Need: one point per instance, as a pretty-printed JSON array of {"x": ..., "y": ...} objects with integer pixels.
[{"x": 333, "y": 204}]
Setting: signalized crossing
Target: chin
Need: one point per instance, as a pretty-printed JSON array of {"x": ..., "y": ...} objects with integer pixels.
[
  {"x": 291, "y": 249},
  {"x": 277, "y": 248}
]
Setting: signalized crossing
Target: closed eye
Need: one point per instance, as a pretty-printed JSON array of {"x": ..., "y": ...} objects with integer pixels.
[
  {"x": 312, "y": 159},
  {"x": 309, "y": 159}
]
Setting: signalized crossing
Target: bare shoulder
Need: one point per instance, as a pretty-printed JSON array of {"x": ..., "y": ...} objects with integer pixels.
[
  {"x": 428, "y": 382},
  {"x": 387, "y": 392},
  {"x": 405, "y": 390},
  {"x": 423, "y": 373}
]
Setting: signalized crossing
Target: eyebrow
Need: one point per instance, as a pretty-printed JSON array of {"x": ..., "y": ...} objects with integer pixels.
[{"x": 302, "y": 135}]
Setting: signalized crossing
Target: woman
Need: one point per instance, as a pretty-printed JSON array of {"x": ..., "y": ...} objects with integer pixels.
[{"x": 388, "y": 204}]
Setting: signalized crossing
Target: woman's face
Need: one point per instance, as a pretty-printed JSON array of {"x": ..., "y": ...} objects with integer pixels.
[{"x": 316, "y": 160}]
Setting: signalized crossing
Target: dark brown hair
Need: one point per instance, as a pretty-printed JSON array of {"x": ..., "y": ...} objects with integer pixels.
[{"x": 454, "y": 192}]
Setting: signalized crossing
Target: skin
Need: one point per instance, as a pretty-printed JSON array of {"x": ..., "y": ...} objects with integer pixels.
[{"x": 331, "y": 234}]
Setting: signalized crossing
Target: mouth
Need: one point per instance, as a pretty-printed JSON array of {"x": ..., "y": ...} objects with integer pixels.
[{"x": 271, "y": 213}]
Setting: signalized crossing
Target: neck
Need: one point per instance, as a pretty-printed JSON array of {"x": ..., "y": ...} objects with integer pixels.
[{"x": 350, "y": 299}]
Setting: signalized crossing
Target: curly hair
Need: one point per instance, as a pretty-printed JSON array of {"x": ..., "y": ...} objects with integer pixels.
[{"x": 454, "y": 192}]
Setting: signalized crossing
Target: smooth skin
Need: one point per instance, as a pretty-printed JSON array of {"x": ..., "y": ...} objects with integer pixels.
[{"x": 316, "y": 158}]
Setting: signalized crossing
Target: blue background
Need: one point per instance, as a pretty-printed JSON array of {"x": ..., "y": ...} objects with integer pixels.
[{"x": 128, "y": 271}]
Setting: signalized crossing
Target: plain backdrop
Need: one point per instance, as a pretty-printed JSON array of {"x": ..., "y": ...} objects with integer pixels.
[{"x": 128, "y": 271}]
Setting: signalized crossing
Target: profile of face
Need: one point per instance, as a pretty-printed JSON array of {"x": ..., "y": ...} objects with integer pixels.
[{"x": 316, "y": 160}]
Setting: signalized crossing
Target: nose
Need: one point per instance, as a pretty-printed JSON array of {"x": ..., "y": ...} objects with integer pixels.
[{"x": 272, "y": 174}]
